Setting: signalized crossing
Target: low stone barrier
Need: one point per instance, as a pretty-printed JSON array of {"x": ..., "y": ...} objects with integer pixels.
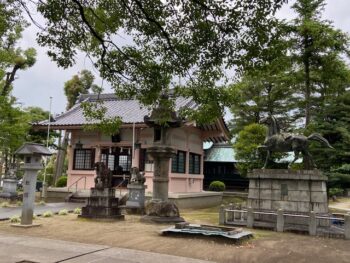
[{"x": 315, "y": 222}]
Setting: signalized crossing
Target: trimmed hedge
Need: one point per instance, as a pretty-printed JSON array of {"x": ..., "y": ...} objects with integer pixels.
[
  {"x": 62, "y": 181},
  {"x": 217, "y": 186}
]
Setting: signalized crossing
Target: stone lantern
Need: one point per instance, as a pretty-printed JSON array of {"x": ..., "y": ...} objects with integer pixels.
[
  {"x": 10, "y": 184},
  {"x": 31, "y": 154},
  {"x": 160, "y": 209}
]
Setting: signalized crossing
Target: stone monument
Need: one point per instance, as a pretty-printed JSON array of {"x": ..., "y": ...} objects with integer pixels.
[
  {"x": 160, "y": 209},
  {"x": 136, "y": 189},
  {"x": 32, "y": 154},
  {"x": 292, "y": 191},
  {"x": 9, "y": 188},
  {"x": 298, "y": 192},
  {"x": 102, "y": 203}
]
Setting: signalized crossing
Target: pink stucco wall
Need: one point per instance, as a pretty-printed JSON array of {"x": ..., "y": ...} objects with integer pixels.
[{"x": 186, "y": 139}]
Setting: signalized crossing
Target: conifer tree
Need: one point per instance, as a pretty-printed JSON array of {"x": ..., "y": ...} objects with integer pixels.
[{"x": 317, "y": 49}]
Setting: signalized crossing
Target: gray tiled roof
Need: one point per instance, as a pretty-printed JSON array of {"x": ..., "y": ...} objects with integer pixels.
[
  {"x": 129, "y": 111},
  {"x": 220, "y": 152}
]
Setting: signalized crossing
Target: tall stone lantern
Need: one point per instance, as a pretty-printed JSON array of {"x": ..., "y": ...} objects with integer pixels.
[
  {"x": 31, "y": 153},
  {"x": 160, "y": 209}
]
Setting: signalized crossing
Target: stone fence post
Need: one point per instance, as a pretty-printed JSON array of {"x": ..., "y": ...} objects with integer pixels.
[
  {"x": 250, "y": 217},
  {"x": 222, "y": 215},
  {"x": 312, "y": 224},
  {"x": 347, "y": 226},
  {"x": 280, "y": 221}
]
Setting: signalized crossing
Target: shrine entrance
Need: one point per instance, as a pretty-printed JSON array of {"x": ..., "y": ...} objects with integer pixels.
[{"x": 118, "y": 160}]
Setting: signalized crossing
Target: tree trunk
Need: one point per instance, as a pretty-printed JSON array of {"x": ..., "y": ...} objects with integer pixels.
[
  {"x": 1, "y": 165},
  {"x": 10, "y": 77},
  {"x": 307, "y": 91},
  {"x": 61, "y": 155}
]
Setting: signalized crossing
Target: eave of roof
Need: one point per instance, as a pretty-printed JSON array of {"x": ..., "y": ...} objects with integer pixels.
[
  {"x": 130, "y": 111},
  {"x": 220, "y": 152}
]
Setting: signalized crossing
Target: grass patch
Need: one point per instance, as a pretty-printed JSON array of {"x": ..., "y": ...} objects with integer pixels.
[
  {"x": 5, "y": 204},
  {"x": 63, "y": 212},
  {"x": 77, "y": 211},
  {"x": 47, "y": 214},
  {"x": 15, "y": 219},
  {"x": 226, "y": 200}
]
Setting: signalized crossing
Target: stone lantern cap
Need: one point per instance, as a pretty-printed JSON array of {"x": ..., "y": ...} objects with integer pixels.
[
  {"x": 32, "y": 149},
  {"x": 162, "y": 113}
]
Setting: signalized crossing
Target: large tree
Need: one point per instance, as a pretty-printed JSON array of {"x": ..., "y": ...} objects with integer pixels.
[
  {"x": 333, "y": 122},
  {"x": 144, "y": 47},
  {"x": 12, "y": 58},
  {"x": 265, "y": 87},
  {"x": 300, "y": 70},
  {"x": 14, "y": 123},
  {"x": 81, "y": 83},
  {"x": 318, "y": 55}
]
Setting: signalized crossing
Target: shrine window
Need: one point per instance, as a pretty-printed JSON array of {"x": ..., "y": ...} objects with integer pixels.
[
  {"x": 178, "y": 162},
  {"x": 84, "y": 159}
]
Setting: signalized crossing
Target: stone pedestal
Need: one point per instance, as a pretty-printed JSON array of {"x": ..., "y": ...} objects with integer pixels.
[
  {"x": 102, "y": 204},
  {"x": 9, "y": 188},
  {"x": 297, "y": 192},
  {"x": 136, "y": 196},
  {"x": 160, "y": 209},
  {"x": 161, "y": 156}
]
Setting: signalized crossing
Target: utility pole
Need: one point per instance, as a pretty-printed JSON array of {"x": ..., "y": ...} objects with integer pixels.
[{"x": 44, "y": 188}]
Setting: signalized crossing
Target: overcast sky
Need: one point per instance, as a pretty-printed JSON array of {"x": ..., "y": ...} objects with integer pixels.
[{"x": 34, "y": 86}]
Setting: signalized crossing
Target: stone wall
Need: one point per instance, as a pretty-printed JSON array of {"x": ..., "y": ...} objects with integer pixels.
[{"x": 298, "y": 191}]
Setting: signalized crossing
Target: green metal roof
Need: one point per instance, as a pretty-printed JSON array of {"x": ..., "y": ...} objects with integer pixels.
[{"x": 220, "y": 152}]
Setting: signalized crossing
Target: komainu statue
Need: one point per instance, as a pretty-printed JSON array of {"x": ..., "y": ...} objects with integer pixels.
[
  {"x": 276, "y": 141},
  {"x": 137, "y": 177},
  {"x": 103, "y": 177}
]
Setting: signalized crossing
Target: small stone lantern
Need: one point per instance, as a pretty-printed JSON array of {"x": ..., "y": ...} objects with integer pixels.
[
  {"x": 10, "y": 184},
  {"x": 31, "y": 153}
]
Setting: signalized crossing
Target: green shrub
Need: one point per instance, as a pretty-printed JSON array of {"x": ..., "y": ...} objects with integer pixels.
[
  {"x": 77, "y": 211},
  {"x": 19, "y": 203},
  {"x": 63, "y": 212},
  {"x": 47, "y": 214},
  {"x": 35, "y": 216},
  {"x": 335, "y": 191},
  {"x": 15, "y": 219},
  {"x": 5, "y": 204},
  {"x": 62, "y": 181},
  {"x": 42, "y": 202},
  {"x": 217, "y": 186}
]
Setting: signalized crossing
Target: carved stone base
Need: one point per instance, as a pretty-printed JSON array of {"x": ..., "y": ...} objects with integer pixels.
[
  {"x": 102, "y": 204},
  {"x": 136, "y": 199},
  {"x": 162, "y": 212}
]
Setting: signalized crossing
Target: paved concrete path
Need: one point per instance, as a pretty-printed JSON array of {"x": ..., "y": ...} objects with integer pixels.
[
  {"x": 15, "y": 248},
  {"x": 6, "y": 213}
]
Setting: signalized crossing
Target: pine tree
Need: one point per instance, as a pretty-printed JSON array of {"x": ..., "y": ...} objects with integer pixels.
[
  {"x": 265, "y": 87},
  {"x": 333, "y": 122},
  {"x": 320, "y": 71}
]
